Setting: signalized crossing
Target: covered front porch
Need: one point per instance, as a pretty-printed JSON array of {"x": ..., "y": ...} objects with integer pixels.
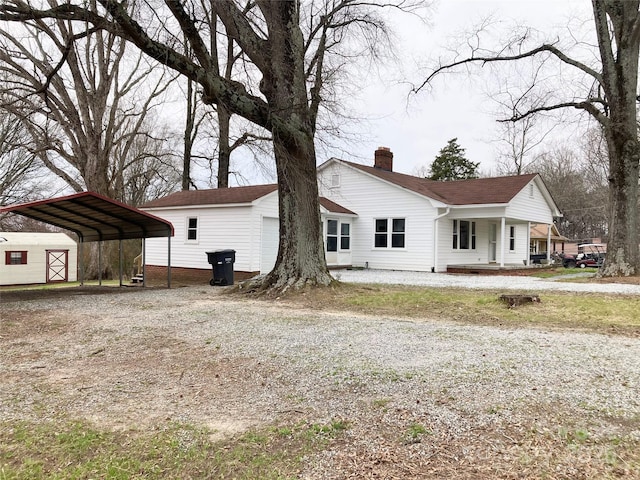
[{"x": 486, "y": 241}]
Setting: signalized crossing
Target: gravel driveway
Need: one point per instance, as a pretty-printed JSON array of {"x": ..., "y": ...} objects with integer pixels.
[
  {"x": 489, "y": 402},
  {"x": 502, "y": 282}
]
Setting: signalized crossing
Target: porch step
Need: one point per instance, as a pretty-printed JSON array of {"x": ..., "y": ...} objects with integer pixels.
[{"x": 139, "y": 278}]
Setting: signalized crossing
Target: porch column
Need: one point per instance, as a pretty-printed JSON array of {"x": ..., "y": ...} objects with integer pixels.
[
  {"x": 548, "y": 244},
  {"x": 528, "y": 251},
  {"x": 503, "y": 228}
]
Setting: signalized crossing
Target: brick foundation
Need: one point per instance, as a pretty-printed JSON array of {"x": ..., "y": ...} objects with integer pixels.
[
  {"x": 157, "y": 276},
  {"x": 495, "y": 271}
]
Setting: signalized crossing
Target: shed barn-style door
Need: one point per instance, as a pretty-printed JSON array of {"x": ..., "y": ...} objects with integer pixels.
[{"x": 57, "y": 265}]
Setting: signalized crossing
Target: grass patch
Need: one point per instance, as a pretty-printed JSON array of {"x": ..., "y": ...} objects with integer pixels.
[
  {"x": 56, "y": 286},
  {"x": 560, "y": 271},
  {"x": 74, "y": 450},
  {"x": 601, "y": 313}
]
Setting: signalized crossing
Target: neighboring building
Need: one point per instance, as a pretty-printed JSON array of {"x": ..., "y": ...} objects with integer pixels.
[
  {"x": 30, "y": 258},
  {"x": 372, "y": 217},
  {"x": 541, "y": 236}
]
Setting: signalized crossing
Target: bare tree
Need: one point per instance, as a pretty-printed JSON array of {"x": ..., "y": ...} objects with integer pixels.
[
  {"x": 80, "y": 98},
  {"x": 18, "y": 166},
  {"x": 580, "y": 195},
  {"x": 610, "y": 98},
  {"x": 277, "y": 52},
  {"x": 269, "y": 34},
  {"x": 519, "y": 140}
]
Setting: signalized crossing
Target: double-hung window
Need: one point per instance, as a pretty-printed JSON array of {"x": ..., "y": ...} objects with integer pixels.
[
  {"x": 389, "y": 233},
  {"x": 512, "y": 238},
  {"x": 345, "y": 236},
  {"x": 192, "y": 229},
  {"x": 464, "y": 235},
  {"x": 332, "y": 235}
]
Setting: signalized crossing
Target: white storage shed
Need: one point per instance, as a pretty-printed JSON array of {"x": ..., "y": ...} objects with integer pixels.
[{"x": 30, "y": 257}]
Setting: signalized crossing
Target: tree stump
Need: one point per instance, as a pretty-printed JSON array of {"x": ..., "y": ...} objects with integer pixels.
[{"x": 516, "y": 300}]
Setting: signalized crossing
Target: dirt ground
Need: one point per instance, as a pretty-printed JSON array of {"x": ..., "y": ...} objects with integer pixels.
[{"x": 141, "y": 359}]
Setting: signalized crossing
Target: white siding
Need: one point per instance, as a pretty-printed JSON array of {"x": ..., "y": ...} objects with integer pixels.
[
  {"x": 372, "y": 198},
  {"x": 36, "y": 246},
  {"x": 525, "y": 207},
  {"x": 219, "y": 228}
]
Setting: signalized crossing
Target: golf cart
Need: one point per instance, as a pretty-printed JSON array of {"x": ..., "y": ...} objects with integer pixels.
[{"x": 589, "y": 255}]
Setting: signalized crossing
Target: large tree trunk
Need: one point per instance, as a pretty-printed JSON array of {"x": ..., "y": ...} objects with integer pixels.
[
  {"x": 623, "y": 257},
  {"x": 618, "y": 30},
  {"x": 300, "y": 258}
]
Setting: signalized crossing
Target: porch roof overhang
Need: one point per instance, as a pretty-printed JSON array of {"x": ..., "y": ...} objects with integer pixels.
[{"x": 94, "y": 217}]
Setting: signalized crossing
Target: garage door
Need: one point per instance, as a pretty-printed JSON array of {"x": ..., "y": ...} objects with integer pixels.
[{"x": 269, "y": 251}]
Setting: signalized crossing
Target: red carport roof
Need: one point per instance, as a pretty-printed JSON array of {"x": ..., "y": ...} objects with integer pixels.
[{"x": 94, "y": 217}]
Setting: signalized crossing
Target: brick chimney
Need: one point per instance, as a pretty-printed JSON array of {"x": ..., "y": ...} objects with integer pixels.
[{"x": 383, "y": 159}]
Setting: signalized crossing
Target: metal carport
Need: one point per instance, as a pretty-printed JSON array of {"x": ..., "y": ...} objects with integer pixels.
[{"x": 96, "y": 218}]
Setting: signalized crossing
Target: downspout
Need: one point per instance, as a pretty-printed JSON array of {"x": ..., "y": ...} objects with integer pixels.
[{"x": 435, "y": 237}]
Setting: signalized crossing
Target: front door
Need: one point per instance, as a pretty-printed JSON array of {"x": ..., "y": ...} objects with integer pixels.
[
  {"x": 493, "y": 242},
  {"x": 57, "y": 265}
]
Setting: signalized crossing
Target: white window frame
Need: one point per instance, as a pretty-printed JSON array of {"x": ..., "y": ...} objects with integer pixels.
[
  {"x": 339, "y": 235},
  {"x": 188, "y": 229},
  {"x": 512, "y": 238},
  {"x": 332, "y": 235},
  {"x": 335, "y": 181},
  {"x": 343, "y": 236},
  {"x": 456, "y": 235},
  {"x": 390, "y": 233}
]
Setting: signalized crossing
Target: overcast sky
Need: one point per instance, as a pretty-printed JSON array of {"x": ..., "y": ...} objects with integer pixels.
[{"x": 417, "y": 129}]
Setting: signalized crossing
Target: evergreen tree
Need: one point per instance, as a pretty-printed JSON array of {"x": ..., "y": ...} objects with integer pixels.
[{"x": 451, "y": 164}]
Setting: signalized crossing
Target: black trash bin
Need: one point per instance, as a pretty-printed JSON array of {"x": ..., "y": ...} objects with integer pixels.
[{"x": 222, "y": 261}]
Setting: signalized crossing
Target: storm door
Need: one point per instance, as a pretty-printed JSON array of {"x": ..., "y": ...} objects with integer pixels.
[{"x": 493, "y": 242}]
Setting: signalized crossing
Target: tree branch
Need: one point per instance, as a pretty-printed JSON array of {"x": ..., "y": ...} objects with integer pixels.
[
  {"x": 484, "y": 60},
  {"x": 586, "y": 105}
]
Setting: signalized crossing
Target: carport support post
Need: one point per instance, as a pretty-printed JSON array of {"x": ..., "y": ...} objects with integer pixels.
[
  {"x": 144, "y": 262},
  {"x": 120, "y": 259},
  {"x": 169, "y": 261},
  {"x": 100, "y": 262},
  {"x": 81, "y": 262},
  {"x": 548, "y": 244}
]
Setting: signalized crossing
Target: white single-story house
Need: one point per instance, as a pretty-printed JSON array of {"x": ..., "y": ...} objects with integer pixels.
[
  {"x": 30, "y": 257},
  {"x": 372, "y": 217}
]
